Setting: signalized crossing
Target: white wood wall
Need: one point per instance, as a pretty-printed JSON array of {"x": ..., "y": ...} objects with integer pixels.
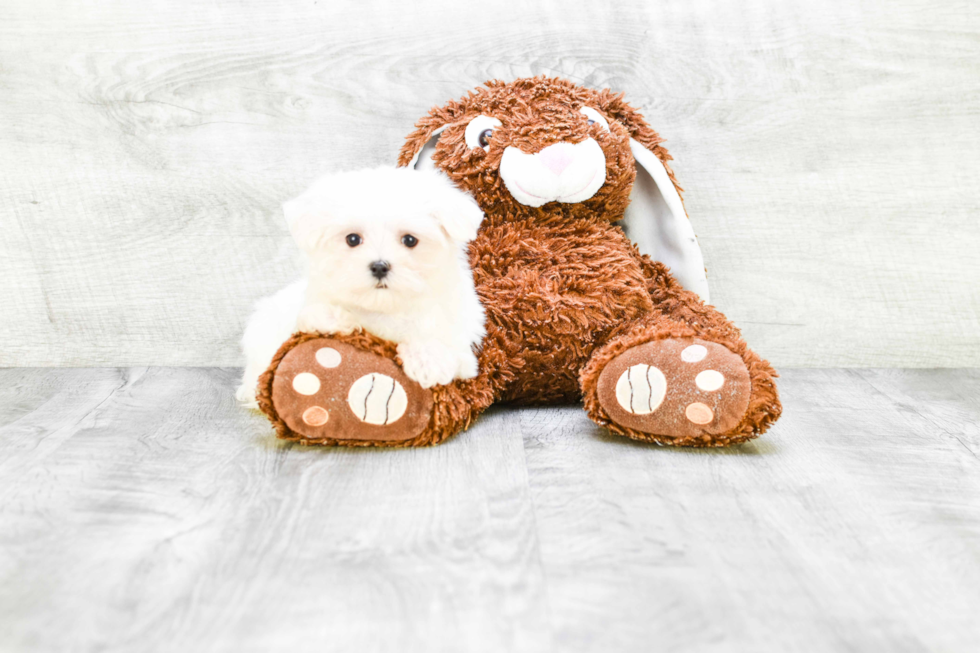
[{"x": 829, "y": 152}]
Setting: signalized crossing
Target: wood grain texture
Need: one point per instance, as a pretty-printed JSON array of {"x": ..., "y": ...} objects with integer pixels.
[
  {"x": 141, "y": 509},
  {"x": 829, "y": 152},
  {"x": 854, "y": 526}
]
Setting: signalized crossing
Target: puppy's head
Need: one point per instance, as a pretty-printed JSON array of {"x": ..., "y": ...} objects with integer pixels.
[{"x": 381, "y": 239}]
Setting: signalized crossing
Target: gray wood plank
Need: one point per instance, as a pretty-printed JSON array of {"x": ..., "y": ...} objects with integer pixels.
[
  {"x": 854, "y": 525},
  {"x": 828, "y": 151},
  {"x": 949, "y": 399},
  {"x": 146, "y": 511},
  {"x": 141, "y": 509}
]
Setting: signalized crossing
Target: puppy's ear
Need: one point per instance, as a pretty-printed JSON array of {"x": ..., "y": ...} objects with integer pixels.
[
  {"x": 457, "y": 213},
  {"x": 304, "y": 224}
]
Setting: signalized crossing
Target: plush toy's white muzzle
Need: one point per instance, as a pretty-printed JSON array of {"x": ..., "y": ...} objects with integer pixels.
[{"x": 563, "y": 172}]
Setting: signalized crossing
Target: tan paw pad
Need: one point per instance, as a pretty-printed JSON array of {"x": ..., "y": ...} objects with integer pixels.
[
  {"x": 328, "y": 357},
  {"x": 699, "y": 413},
  {"x": 694, "y": 353},
  {"x": 377, "y": 399},
  {"x": 316, "y": 416},
  {"x": 641, "y": 389},
  {"x": 709, "y": 380},
  {"x": 306, "y": 384}
]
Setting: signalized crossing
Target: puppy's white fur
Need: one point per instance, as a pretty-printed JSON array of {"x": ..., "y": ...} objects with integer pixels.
[{"x": 426, "y": 303}]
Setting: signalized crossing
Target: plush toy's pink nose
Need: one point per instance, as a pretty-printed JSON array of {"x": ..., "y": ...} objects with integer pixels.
[{"x": 557, "y": 157}]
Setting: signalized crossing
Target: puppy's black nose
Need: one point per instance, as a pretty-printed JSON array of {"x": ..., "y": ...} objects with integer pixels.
[{"x": 379, "y": 269}]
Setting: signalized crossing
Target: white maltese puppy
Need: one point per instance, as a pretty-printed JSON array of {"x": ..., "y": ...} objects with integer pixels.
[{"x": 387, "y": 254}]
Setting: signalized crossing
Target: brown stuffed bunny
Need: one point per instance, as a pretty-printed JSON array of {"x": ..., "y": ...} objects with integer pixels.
[{"x": 574, "y": 310}]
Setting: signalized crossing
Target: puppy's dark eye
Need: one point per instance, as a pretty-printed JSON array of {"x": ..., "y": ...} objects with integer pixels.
[
  {"x": 590, "y": 121},
  {"x": 353, "y": 240},
  {"x": 485, "y": 137},
  {"x": 410, "y": 241}
]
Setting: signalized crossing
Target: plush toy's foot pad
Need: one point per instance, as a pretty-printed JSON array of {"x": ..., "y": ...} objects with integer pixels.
[
  {"x": 677, "y": 387},
  {"x": 329, "y": 391}
]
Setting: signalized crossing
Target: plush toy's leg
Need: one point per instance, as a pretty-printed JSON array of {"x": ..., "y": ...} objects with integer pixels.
[
  {"x": 349, "y": 390},
  {"x": 682, "y": 375}
]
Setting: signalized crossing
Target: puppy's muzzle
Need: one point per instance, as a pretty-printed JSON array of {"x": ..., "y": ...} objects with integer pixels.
[{"x": 379, "y": 269}]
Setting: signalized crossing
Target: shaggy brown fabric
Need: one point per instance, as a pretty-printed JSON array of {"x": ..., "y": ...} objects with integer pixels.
[{"x": 564, "y": 290}]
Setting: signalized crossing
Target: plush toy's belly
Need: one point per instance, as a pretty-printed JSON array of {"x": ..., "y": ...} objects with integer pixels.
[{"x": 552, "y": 294}]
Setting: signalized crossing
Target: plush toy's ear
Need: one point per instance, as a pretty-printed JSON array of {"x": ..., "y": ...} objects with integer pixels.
[
  {"x": 421, "y": 143},
  {"x": 655, "y": 218},
  {"x": 656, "y": 221}
]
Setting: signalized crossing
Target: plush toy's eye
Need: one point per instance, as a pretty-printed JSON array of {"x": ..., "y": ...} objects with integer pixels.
[
  {"x": 409, "y": 241},
  {"x": 353, "y": 240},
  {"x": 480, "y": 131},
  {"x": 595, "y": 117}
]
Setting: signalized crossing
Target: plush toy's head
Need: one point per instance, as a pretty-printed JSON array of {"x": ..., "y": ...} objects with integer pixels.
[{"x": 539, "y": 148}]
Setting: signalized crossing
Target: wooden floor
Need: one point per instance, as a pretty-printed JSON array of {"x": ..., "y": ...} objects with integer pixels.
[{"x": 142, "y": 510}]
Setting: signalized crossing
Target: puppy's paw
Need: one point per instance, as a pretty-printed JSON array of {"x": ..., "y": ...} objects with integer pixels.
[
  {"x": 321, "y": 318},
  {"x": 246, "y": 396},
  {"x": 467, "y": 366},
  {"x": 428, "y": 363}
]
